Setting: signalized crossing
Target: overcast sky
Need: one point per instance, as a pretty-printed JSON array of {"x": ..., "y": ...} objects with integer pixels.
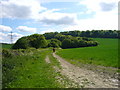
[{"x": 25, "y": 17}]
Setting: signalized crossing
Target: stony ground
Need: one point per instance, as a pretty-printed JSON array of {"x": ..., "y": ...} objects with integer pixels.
[{"x": 83, "y": 77}]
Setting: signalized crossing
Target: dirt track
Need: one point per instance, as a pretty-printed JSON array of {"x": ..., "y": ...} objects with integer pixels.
[
  {"x": 47, "y": 59},
  {"x": 84, "y": 77}
]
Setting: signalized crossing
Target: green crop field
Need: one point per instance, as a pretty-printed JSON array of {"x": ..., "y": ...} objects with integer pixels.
[
  {"x": 106, "y": 54},
  {"x": 6, "y": 46}
]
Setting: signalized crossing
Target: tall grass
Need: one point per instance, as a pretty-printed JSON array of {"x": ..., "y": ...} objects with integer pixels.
[{"x": 29, "y": 71}]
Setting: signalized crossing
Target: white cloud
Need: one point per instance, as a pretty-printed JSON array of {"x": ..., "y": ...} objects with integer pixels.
[
  {"x": 99, "y": 5},
  {"x": 4, "y": 28},
  {"x": 47, "y": 30},
  {"x": 105, "y": 21},
  {"x": 2, "y": 35},
  {"x": 57, "y": 18},
  {"x": 105, "y": 15},
  {"x": 107, "y": 6},
  {"x": 32, "y": 9},
  {"x": 26, "y": 29},
  {"x": 15, "y": 35},
  {"x": 94, "y": 24},
  {"x": 6, "y": 38},
  {"x": 20, "y": 8}
]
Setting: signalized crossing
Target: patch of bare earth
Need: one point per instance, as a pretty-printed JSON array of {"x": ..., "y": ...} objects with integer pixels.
[{"x": 83, "y": 77}]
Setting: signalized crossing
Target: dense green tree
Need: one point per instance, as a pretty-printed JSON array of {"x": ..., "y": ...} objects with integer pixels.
[
  {"x": 35, "y": 40},
  {"x": 21, "y": 43},
  {"x": 50, "y": 35},
  {"x": 77, "y": 33},
  {"x": 60, "y": 37},
  {"x": 94, "y": 33},
  {"x": 66, "y": 43},
  {"x": 69, "y": 39},
  {"x": 38, "y": 41},
  {"x": 74, "y": 42},
  {"x": 82, "y": 43},
  {"x": 64, "y": 33},
  {"x": 54, "y": 43}
]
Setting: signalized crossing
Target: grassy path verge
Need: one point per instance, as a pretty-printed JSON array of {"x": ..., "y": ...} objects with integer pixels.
[{"x": 30, "y": 71}]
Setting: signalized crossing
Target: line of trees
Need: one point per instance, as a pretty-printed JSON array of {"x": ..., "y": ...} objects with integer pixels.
[
  {"x": 68, "y": 39},
  {"x": 91, "y": 34},
  {"x": 59, "y": 40}
]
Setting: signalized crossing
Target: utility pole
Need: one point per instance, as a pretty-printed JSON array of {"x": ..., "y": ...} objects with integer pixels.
[{"x": 11, "y": 37}]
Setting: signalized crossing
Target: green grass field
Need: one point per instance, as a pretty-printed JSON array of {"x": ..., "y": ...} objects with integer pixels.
[
  {"x": 105, "y": 54},
  {"x": 6, "y": 46}
]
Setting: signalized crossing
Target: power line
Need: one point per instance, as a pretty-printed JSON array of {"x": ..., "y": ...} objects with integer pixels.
[{"x": 11, "y": 37}]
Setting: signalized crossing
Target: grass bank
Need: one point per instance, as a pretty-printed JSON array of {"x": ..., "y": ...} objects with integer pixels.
[{"x": 29, "y": 70}]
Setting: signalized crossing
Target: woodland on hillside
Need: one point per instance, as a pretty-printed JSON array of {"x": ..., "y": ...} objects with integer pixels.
[{"x": 69, "y": 39}]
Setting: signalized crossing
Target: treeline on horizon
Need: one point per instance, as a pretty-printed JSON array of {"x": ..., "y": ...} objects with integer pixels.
[
  {"x": 58, "y": 40},
  {"x": 90, "y": 34},
  {"x": 67, "y": 39}
]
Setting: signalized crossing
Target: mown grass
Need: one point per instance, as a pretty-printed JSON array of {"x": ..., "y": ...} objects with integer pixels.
[
  {"x": 30, "y": 71},
  {"x": 105, "y": 54}
]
